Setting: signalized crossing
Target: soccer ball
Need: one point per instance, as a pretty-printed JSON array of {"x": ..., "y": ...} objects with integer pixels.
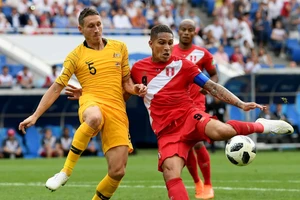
[{"x": 240, "y": 150}]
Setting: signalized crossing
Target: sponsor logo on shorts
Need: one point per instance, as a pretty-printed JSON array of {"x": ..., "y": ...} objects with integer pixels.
[{"x": 159, "y": 156}]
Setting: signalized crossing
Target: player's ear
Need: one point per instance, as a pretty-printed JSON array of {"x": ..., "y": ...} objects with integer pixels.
[
  {"x": 80, "y": 28},
  {"x": 150, "y": 43}
]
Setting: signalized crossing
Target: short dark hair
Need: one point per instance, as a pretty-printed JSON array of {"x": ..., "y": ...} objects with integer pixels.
[
  {"x": 161, "y": 28},
  {"x": 86, "y": 12}
]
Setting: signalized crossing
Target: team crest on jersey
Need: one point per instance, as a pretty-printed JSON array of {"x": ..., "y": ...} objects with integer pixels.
[
  {"x": 116, "y": 55},
  {"x": 170, "y": 71}
]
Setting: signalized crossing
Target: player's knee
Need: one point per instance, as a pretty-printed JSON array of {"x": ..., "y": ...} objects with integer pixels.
[
  {"x": 221, "y": 132},
  {"x": 172, "y": 167},
  {"x": 94, "y": 120},
  {"x": 117, "y": 172}
]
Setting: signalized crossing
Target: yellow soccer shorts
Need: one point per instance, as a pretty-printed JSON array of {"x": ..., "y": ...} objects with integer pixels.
[{"x": 115, "y": 126}]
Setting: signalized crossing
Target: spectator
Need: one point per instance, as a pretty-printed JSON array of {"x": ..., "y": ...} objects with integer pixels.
[
  {"x": 150, "y": 14},
  {"x": 6, "y": 80},
  {"x": 278, "y": 37},
  {"x": 139, "y": 21},
  {"x": 106, "y": 21},
  {"x": 221, "y": 57},
  {"x": 258, "y": 29},
  {"x": 5, "y": 26},
  {"x": 230, "y": 27},
  {"x": 246, "y": 49},
  {"x": 25, "y": 78},
  {"x": 237, "y": 61},
  {"x": 49, "y": 145},
  {"x": 121, "y": 20},
  {"x": 131, "y": 10},
  {"x": 281, "y": 115},
  {"x": 244, "y": 33},
  {"x": 14, "y": 19},
  {"x": 264, "y": 57},
  {"x": 252, "y": 66},
  {"x": 216, "y": 29},
  {"x": 43, "y": 6},
  {"x": 91, "y": 149},
  {"x": 222, "y": 12},
  {"x": 11, "y": 146},
  {"x": 294, "y": 24},
  {"x": 192, "y": 15},
  {"x": 180, "y": 15},
  {"x": 209, "y": 40},
  {"x": 166, "y": 18},
  {"x": 60, "y": 20},
  {"x": 29, "y": 28},
  {"x": 51, "y": 78},
  {"x": 274, "y": 9},
  {"x": 65, "y": 141},
  {"x": 266, "y": 113}
]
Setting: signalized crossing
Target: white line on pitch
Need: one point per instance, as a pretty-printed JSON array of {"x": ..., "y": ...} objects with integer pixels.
[{"x": 38, "y": 184}]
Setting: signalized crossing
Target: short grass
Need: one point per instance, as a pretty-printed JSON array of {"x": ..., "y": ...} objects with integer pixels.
[{"x": 271, "y": 176}]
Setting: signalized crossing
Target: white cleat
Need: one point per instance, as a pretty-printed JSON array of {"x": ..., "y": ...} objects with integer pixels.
[
  {"x": 275, "y": 126},
  {"x": 56, "y": 181}
]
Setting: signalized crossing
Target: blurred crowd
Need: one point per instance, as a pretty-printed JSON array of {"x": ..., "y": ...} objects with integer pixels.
[
  {"x": 51, "y": 145},
  {"x": 244, "y": 34}
]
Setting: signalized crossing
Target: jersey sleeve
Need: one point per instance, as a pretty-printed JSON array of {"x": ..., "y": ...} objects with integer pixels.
[
  {"x": 68, "y": 69},
  {"x": 207, "y": 61},
  {"x": 125, "y": 61}
]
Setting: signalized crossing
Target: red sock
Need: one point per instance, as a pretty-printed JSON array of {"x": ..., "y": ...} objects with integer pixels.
[
  {"x": 204, "y": 164},
  {"x": 246, "y": 128},
  {"x": 176, "y": 189},
  {"x": 191, "y": 165}
]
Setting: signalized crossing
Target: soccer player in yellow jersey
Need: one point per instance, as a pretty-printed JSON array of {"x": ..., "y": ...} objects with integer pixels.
[{"x": 101, "y": 67}]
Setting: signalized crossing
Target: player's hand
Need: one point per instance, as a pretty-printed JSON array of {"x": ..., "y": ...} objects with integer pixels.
[
  {"x": 140, "y": 89},
  {"x": 73, "y": 92},
  {"x": 251, "y": 106},
  {"x": 30, "y": 121}
]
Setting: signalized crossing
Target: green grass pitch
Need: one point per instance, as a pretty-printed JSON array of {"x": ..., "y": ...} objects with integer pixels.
[{"x": 271, "y": 176}]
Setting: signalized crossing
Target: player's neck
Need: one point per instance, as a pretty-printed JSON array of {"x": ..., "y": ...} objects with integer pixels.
[
  {"x": 185, "y": 46},
  {"x": 96, "y": 46}
]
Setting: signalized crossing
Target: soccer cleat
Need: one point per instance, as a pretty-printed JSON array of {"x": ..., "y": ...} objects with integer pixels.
[
  {"x": 208, "y": 192},
  {"x": 198, "y": 189},
  {"x": 56, "y": 181},
  {"x": 275, "y": 126}
]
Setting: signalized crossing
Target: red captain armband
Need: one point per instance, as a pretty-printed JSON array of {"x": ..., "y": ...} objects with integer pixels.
[{"x": 201, "y": 79}]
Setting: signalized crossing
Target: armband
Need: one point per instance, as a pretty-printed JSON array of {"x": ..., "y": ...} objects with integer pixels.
[{"x": 201, "y": 79}]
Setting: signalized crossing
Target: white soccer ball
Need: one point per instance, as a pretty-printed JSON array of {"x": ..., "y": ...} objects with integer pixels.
[{"x": 240, "y": 150}]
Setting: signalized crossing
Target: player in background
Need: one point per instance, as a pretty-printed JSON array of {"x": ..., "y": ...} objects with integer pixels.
[
  {"x": 204, "y": 60},
  {"x": 102, "y": 69},
  {"x": 174, "y": 118}
]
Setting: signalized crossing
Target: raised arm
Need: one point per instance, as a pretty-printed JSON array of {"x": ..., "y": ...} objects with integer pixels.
[
  {"x": 223, "y": 94},
  {"x": 47, "y": 100}
]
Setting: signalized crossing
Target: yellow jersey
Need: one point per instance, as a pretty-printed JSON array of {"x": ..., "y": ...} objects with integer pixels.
[{"x": 99, "y": 72}]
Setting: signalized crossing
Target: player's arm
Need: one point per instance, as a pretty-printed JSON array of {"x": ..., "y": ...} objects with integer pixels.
[
  {"x": 47, "y": 100},
  {"x": 134, "y": 89},
  {"x": 223, "y": 94}
]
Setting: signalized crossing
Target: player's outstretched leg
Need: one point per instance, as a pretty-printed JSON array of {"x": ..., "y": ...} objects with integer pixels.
[
  {"x": 204, "y": 164},
  {"x": 81, "y": 139},
  {"x": 219, "y": 131},
  {"x": 191, "y": 165},
  {"x": 275, "y": 126}
]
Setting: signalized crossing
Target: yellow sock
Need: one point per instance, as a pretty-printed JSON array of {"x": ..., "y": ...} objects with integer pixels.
[
  {"x": 106, "y": 188},
  {"x": 80, "y": 141}
]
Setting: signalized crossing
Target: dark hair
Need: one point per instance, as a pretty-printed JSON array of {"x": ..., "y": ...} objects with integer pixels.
[
  {"x": 86, "y": 12},
  {"x": 161, "y": 28}
]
